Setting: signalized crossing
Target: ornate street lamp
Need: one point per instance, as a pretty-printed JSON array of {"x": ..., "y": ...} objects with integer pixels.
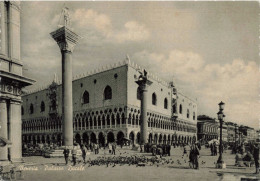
[
  {"x": 235, "y": 136},
  {"x": 221, "y": 115}
]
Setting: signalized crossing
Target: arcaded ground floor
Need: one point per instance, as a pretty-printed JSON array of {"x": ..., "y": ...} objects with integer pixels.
[
  {"x": 54, "y": 169},
  {"x": 104, "y": 136}
]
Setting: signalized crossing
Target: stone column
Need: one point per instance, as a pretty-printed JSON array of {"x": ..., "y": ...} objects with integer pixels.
[
  {"x": 105, "y": 137},
  {"x": 16, "y": 131},
  {"x": 143, "y": 83},
  {"x": 3, "y": 129},
  {"x": 66, "y": 39}
]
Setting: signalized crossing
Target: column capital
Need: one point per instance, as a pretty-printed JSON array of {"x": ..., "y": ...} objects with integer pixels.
[
  {"x": 17, "y": 102},
  {"x": 65, "y": 38},
  {"x": 2, "y": 100}
]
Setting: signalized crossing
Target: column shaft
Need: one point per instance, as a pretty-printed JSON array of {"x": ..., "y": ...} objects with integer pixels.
[
  {"x": 3, "y": 129},
  {"x": 16, "y": 131},
  {"x": 67, "y": 111},
  {"x": 144, "y": 123}
]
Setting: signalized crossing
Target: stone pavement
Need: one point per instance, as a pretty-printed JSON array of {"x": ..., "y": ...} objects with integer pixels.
[{"x": 39, "y": 168}]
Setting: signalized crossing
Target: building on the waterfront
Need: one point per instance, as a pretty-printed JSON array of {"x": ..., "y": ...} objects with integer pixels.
[
  {"x": 106, "y": 108},
  {"x": 231, "y": 131},
  {"x": 247, "y": 134},
  {"x": 207, "y": 128},
  {"x": 224, "y": 132},
  {"x": 11, "y": 80}
]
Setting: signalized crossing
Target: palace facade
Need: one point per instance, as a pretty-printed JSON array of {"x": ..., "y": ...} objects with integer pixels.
[{"x": 106, "y": 108}]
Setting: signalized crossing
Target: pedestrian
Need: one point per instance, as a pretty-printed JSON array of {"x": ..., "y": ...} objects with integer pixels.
[
  {"x": 66, "y": 153},
  {"x": 95, "y": 148},
  {"x": 169, "y": 150},
  {"x": 191, "y": 157},
  {"x": 185, "y": 150},
  {"x": 256, "y": 157},
  {"x": 196, "y": 155},
  {"x": 110, "y": 147},
  {"x": 83, "y": 150},
  {"x": 114, "y": 148},
  {"x": 212, "y": 149},
  {"x": 74, "y": 155},
  {"x": 215, "y": 150}
]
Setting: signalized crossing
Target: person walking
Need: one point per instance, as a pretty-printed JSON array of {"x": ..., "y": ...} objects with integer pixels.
[
  {"x": 110, "y": 147},
  {"x": 113, "y": 148},
  {"x": 83, "y": 150},
  {"x": 211, "y": 149},
  {"x": 256, "y": 157},
  {"x": 74, "y": 155},
  {"x": 196, "y": 155},
  {"x": 185, "y": 150},
  {"x": 66, "y": 153},
  {"x": 191, "y": 156}
]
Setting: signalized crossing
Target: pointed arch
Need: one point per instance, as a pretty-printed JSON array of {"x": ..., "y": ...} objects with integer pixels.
[
  {"x": 154, "y": 99},
  {"x": 42, "y": 106},
  {"x": 165, "y": 103},
  {"x": 85, "y": 97},
  {"x": 31, "y": 109},
  {"x": 180, "y": 109},
  {"x": 108, "y": 93}
]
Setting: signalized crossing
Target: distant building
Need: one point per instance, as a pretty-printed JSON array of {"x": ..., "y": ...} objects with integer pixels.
[
  {"x": 106, "y": 108},
  {"x": 231, "y": 132},
  {"x": 207, "y": 128},
  {"x": 247, "y": 134}
]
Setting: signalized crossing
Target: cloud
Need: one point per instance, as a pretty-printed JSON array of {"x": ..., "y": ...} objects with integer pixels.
[
  {"x": 133, "y": 31},
  {"x": 90, "y": 20},
  {"x": 235, "y": 83}
]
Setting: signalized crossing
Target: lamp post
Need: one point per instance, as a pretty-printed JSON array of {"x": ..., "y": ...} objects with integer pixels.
[
  {"x": 221, "y": 115},
  {"x": 235, "y": 136}
]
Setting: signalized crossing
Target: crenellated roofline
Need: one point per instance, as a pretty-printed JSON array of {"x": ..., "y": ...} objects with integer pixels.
[{"x": 105, "y": 68}]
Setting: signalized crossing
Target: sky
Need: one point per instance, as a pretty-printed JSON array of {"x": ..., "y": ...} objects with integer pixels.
[{"x": 209, "y": 49}]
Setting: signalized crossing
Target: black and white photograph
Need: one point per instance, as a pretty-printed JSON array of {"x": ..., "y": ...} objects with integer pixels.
[{"x": 129, "y": 90}]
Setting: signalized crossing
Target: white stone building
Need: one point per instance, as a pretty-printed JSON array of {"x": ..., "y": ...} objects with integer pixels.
[{"x": 106, "y": 108}]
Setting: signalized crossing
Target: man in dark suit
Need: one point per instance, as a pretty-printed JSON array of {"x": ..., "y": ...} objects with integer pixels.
[{"x": 66, "y": 153}]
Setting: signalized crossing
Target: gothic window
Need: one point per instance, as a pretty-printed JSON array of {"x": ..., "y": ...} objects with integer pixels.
[
  {"x": 174, "y": 108},
  {"x": 194, "y": 116},
  {"x": 108, "y": 93},
  {"x": 42, "y": 106},
  {"x": 31, "y": 109},
  {"x": 154, "y": 99},
  {"x": 165, "y": 103},
  {"x": 188, "y": 113},
  {"x": 138, "y": 93},
  {"x": 85, "y": 98},
  {"x": 180, "y": 110},
  {"x": 22, "y": 110}
]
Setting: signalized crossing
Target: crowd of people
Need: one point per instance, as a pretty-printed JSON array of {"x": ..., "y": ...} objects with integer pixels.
[
  {"x": 158, "y": 152},
  {"x": 248, "y": 156}
]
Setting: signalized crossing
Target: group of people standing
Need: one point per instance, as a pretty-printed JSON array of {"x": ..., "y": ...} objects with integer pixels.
[{"x": 112, "y": 148}]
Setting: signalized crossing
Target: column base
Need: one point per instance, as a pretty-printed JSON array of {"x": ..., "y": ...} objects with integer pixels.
[
  {"x": 4, "y": 162},
  {"x": 17, "y": 160},
  {"x": 68, "y": 147}
]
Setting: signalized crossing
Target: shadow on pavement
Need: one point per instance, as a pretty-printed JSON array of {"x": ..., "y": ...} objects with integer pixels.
[{"x": 179, "y": 167}]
